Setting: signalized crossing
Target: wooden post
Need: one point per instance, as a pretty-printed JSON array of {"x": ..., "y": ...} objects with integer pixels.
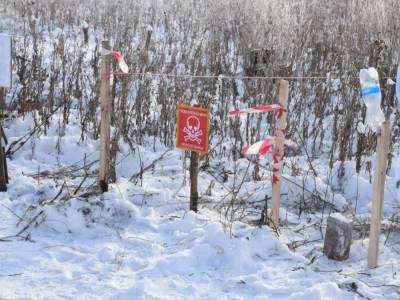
[
  {"x": 194, "y": 172},
  {"x": 3, "y": 170},
  {"x": 382, "y": 150},
  {"x": 280, "y": 141},
  {"x": 105, "y": 107},
  {"x": 2, "y": 100},
  {"x": 3, "y": 167}
]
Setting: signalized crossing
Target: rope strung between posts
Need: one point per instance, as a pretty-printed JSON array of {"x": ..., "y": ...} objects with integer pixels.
[
  {"x": 227, "y": 77},
  {"x": 119, "y": 59}
]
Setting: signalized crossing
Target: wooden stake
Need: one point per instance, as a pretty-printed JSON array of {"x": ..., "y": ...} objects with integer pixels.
[
  {"x": 280, "y": 140},
  {"x": 2, "y": 100},
  {"x": 382, "y": 150},
  {"x": 3, "y": 171},
  {"x": 194, "y": 172},
  {"x": 3, "y": 167},
  {"x": 105, "y": 107}
]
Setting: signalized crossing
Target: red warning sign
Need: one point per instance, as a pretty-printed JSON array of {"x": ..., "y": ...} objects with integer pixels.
[{"x": 192, "y": 128}]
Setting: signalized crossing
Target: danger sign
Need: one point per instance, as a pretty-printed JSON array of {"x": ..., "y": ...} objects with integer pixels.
[{"x": 192, "y": 128}]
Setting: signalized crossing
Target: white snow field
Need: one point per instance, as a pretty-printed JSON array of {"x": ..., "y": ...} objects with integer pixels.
[{"x": 139, "y": 241}]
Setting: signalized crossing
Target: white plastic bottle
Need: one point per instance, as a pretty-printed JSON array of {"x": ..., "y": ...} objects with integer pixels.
[{"x": 371, "y": 94}]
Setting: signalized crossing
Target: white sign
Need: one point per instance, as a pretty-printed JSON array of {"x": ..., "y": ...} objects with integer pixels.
[{"x": 5, "y": 61}]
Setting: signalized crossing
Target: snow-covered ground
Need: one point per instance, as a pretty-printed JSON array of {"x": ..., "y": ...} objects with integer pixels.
[
  {"x": 61, "y": 239},
  {"x": 139, "y": 241}
]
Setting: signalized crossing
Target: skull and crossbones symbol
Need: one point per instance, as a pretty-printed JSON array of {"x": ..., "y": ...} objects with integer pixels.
[{"x": 192, "y": 130}]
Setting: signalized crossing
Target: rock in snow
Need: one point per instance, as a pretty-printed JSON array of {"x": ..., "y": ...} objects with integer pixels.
[{"x": 338, "y": 237}]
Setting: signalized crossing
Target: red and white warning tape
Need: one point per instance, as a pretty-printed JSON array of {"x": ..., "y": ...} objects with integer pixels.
[
  {"x": 263, "y": 147},
  {"x": 276, "y": 166},
  {"x": 121, "y": 62},
  {"x": 118, "y": 58}
]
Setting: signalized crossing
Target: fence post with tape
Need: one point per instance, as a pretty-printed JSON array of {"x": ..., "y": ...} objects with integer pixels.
[
  {"x": 276, "y": 144},
  {"x": 279, "y": 153}
]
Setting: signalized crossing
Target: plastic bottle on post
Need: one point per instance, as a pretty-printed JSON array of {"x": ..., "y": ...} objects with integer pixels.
[{"x": 371, "y": 95}]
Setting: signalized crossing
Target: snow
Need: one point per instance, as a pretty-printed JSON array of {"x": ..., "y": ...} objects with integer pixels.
[
  {"x": 160, "y": 258},
  {"x": 340, "y": 217},
  {"x": 84, "y": 24},
  {"x": 139, "y": 241}
]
